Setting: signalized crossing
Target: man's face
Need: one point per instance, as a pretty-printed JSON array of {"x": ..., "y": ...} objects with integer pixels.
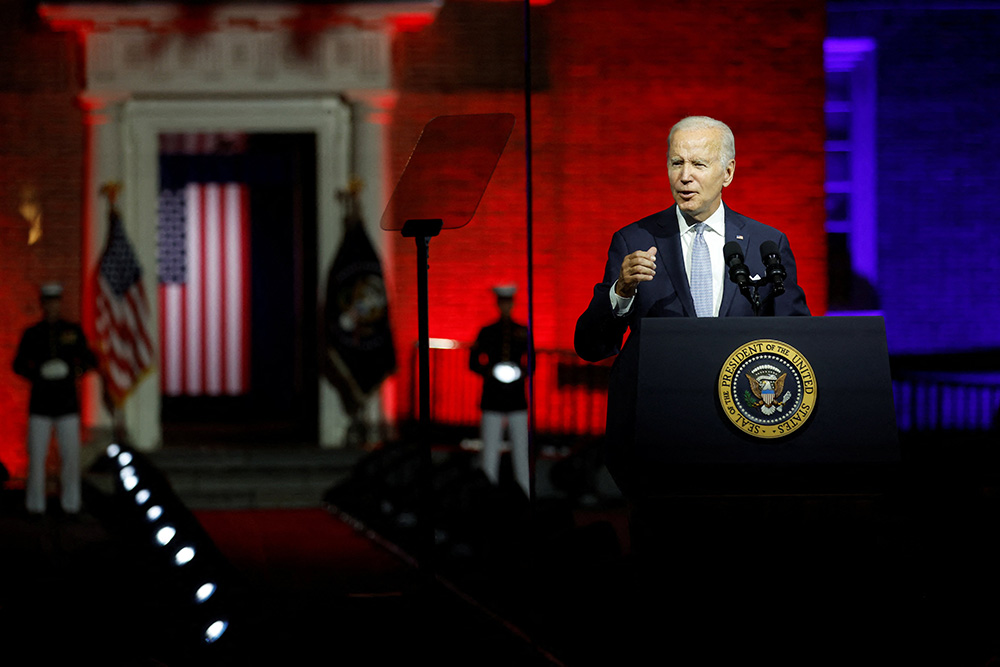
[
  {"x": 51, "y": 308},
  {"x": 697, "y": 174}
]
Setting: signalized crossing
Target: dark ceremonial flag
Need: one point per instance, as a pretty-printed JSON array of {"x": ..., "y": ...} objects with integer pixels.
[{"x": 359, "y": 347}]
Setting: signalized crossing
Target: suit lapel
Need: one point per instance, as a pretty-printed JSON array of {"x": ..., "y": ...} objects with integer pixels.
[
  {"x": 668, "y": 246},
  {"x": 735, "y": 231}
]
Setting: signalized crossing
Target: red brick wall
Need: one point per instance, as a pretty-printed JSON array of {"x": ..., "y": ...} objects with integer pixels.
[
  {"x": 41, "y": 149},
  {"x": 617, "y": 75}
]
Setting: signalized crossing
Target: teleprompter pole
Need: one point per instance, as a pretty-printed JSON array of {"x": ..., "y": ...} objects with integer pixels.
[{"x": 422, "y": 231}]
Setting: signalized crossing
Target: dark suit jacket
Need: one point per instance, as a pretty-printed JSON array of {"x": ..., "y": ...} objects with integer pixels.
[{"x": 599, "y": 332}]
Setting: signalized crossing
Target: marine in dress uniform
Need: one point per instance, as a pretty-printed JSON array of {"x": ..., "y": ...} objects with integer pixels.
[
  {"x": 53, "y": 355},
  {"x": 500, "y": 355}
]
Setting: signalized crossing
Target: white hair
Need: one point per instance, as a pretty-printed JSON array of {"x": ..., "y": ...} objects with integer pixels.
[{"x": 727, "y": 149}]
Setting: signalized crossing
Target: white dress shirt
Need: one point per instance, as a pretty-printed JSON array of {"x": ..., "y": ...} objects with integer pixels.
[{"x": 715, "y": 237}]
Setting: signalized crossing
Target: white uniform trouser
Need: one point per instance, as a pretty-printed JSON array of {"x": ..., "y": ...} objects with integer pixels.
[
  {"x": 67, "y": 428},
  {"x": 492, "y": 433}
]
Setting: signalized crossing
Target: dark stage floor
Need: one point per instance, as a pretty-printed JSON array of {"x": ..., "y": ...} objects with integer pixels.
[{"x": 905, "y": 577}]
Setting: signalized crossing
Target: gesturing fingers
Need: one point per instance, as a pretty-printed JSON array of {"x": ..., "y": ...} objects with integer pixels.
[{"x": 638, "y": 267}]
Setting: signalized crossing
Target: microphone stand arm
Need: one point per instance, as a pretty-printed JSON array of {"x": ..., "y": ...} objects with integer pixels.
[
  {"x": 751, "y": 290},
  {"x": 740, "y": 274},
  {"x": 774, "y": 273}
]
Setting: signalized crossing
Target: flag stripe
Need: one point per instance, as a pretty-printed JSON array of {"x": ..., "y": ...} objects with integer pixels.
[
  {"x": 212, "y": 296},
  {"x": 192, "y": 334},
  {"x": 245, "y": 285},
  {"x": 234, "y": 284},
  {"x": 225, "y": 207}
]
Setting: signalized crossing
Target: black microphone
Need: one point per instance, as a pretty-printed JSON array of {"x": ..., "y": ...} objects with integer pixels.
[
  {"x": 772, "y": 266},
  {"x": 738, "y": 271}
]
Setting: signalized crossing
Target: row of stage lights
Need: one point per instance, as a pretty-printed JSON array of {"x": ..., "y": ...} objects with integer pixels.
[{"x": 181, "y": 549}]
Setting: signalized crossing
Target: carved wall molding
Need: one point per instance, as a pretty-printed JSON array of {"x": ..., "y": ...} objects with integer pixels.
[{"x": 168, "y": 49}]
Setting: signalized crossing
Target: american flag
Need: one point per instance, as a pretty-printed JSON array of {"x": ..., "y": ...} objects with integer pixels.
[
  {"x": 204, "y": 289},
  {"x": 123, "y": 344}
]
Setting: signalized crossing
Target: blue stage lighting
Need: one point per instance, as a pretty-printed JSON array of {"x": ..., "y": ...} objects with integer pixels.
[{"x": 215, "y": 630}]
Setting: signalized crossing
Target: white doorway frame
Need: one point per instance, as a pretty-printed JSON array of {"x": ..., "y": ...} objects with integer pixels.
[{"x": 142, "y": 123}]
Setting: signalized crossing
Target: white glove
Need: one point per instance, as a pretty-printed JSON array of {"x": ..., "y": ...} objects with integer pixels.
[{"x": 54, "y": 369}]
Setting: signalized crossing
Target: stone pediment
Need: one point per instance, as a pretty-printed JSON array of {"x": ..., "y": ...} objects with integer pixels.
[{"x": 252, "y": 49}]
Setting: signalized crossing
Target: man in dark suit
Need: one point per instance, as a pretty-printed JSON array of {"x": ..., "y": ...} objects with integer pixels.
[{"x": 671, "y": 264}]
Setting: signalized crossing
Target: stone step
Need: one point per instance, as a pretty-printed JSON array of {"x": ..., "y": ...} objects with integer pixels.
[
  {"x": 253, "y": 477},
  {"x": 260, "y": 476}
]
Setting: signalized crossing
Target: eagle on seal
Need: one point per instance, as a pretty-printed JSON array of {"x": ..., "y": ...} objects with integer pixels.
[{"x": 766, "y": 389}]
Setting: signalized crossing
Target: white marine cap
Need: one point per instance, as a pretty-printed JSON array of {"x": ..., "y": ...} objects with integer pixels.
[
  {"x": 51, "y": 290},
  {"x": 505, "y": 291}
]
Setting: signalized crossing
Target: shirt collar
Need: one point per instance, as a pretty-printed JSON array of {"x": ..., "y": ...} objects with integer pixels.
[{"x": 716, "y": 222}]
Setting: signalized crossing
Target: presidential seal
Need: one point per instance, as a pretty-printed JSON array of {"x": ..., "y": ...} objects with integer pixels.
[{"x": 767, "y": 389}]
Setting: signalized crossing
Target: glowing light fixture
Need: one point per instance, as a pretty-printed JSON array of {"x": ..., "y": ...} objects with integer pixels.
[
  {"x": 165, "y": 534},
  {"x": 125, "y": 458},
  {"x": 141, "y": 496},
  {"x": 154, "y": 513},
  {"x": 204, "y": 592},
  {"x": 215, "y": 630},
  {"x": 113, "y": 450},
  {"x": 184, "y": 555}
]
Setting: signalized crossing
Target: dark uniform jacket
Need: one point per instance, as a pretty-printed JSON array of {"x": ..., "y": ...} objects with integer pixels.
[
  {"x": 53, "y": 397},
  {"x": 504, "y": 340}
]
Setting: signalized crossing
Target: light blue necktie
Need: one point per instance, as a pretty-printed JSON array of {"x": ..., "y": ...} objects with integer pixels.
[{"x": 701, "y": 274}]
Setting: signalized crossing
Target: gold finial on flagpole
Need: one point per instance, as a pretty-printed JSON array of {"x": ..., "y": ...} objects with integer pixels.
[
  {"x": 349, "y": 198},
  {"x": 111, "y": 190},
  {"x": 30, "y": 209}
]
